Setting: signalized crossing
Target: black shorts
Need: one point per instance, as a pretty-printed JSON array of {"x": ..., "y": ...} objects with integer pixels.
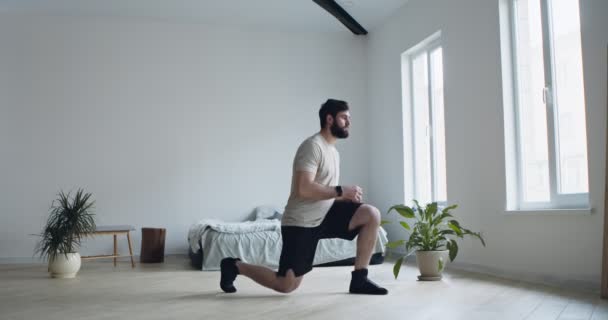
[{"x": 300, "y": 243}]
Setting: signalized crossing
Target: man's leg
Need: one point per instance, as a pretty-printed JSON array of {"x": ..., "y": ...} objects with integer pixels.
[
  {"x": 297, "y": 252},
  {"x": 269, "y": 278},
  {"x": 231, "y": 267},
  {"x": 367, "y": 220}
]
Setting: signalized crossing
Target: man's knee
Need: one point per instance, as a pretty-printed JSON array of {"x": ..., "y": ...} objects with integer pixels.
[
  {"x": 372, "y": 213},
  {"x": 287, "y": 287},
  {"x": 288, "y": 283}
]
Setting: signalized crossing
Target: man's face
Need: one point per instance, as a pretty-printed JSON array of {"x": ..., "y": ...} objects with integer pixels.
[{"x": 339, "y": 128}]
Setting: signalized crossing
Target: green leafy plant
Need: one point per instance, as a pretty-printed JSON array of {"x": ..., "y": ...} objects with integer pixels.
[
  {"x": 433, "y": 230},
  {"x": 69, "y": 220}
]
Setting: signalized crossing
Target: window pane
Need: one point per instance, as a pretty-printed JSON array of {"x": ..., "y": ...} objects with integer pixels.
[
  {"x": 438, "y": 125},
  {"x": 422, "y": 150},
  {"x": 570, "y": 101},
  {"x": 532, "y": 118}
]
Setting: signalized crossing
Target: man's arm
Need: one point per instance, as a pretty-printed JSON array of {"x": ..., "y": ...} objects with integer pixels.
[{"x": 307, "y": 188}]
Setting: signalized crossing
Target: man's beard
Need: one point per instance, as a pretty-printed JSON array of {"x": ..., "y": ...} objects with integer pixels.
[{"x": 338, "y": 132}]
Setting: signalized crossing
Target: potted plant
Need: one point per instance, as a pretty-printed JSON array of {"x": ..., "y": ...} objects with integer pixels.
[
  {"x": 70, "y": 219},
  {"x": 432, "y": 238}
]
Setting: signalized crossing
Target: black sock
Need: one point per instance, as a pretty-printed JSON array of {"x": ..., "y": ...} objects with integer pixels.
[
  {"x": 229, "y": 271},
  {"x": 360, "y": 284}
]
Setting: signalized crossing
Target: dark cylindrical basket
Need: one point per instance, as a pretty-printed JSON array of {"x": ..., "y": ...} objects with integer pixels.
[{"x": 152, "y": 245}]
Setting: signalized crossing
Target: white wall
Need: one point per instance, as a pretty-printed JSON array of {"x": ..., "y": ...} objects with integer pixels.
[
  {"x": 553, "y": 248},
  {"x": 164, "y": 123}
]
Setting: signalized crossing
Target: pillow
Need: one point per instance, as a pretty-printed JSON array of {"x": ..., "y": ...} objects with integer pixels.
[
  {"x": 267, "y": 212},
  {"x": 276, "y": 215}
]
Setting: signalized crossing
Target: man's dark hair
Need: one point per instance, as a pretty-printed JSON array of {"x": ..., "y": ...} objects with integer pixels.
[{"x": 331, "y": 106}]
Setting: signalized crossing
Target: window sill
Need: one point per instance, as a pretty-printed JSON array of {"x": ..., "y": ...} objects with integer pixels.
[{"x": 551, "y": 212}]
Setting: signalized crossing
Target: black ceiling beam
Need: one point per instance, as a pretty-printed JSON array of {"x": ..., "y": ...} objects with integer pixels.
[{"x": 336, "y": 10}]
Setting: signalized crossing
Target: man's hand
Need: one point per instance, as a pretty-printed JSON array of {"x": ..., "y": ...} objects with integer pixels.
[{"x": 353, "y": 193}]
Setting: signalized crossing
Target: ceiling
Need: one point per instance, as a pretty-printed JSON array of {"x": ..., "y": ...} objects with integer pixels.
[{"x": 278, "y": 14}]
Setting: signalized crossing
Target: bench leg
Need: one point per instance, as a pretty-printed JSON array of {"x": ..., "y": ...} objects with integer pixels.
[
  {"x": 115, "y": 250},
  {"x": 130, "y": 249}
]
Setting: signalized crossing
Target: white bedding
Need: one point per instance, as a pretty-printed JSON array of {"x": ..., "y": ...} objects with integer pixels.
[
  {"x": 259, "y": 242},
  {"x": 200, "y": 230}
]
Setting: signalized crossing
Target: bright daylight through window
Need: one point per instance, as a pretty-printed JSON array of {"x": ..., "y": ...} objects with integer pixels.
[
  {"x": 548, "y": 125},
  {"x": 423, "y": 95}
]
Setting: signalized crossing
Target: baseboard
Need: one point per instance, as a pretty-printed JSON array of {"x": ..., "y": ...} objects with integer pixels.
[
  {"x": 580, "y": 283},
  {"x": 22, "y": 260},
  {"x": 37, "y": 260}
]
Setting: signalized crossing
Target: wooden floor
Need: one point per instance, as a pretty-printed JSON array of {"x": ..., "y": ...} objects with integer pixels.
[{"x": 173, "y": 290}]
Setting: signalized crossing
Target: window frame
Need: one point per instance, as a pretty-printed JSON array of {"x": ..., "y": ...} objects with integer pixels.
[
  {"x": 556, "y": 200},
  {"x": 426, "y": 47}
]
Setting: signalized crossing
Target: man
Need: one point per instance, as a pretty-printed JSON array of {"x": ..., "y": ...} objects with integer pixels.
[{"x": 318, "y": 208}]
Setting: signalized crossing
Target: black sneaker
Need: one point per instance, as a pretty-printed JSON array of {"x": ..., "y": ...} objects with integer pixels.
[
  {"x": 229, "y": 272},
  {"x": 360, "y": 284}
]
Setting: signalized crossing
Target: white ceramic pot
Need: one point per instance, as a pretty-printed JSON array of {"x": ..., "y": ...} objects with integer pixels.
[
  {"x": 65, "y": 267},
  {"x": 431, "y": 264}
]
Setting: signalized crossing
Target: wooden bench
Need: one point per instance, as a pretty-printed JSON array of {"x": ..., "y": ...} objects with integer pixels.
[{"x": 115, "y": 231}]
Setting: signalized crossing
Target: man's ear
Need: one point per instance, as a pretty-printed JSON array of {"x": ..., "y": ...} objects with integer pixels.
[{"x": 329, "y": 119}]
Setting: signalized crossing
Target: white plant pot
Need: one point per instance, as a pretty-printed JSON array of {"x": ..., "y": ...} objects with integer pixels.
[
  {"x": 431, "y": 264},
  {"x": 65, "y": 267}
]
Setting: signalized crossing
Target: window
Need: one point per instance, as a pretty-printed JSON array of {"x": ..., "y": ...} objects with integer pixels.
[
  {"x": 542, "y": 45},
  {"x": 422, "y": 74}
]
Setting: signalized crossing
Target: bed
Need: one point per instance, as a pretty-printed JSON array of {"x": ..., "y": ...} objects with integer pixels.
[{"x": 258, "y": 241}]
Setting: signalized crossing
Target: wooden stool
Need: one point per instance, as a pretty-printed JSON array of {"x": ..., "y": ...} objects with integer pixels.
[{"x": 115, "y": 231}]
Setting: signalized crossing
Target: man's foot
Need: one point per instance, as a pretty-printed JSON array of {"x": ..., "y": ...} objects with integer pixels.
[
  {"x": 360, "y": 284},
  {"x": 229, "y": 272}
]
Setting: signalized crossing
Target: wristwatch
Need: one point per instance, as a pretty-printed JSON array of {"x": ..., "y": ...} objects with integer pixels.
[{"x": 339, "y": 190}]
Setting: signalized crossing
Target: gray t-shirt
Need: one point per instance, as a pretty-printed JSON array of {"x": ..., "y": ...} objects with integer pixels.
[{"x": 314, "y": 155}]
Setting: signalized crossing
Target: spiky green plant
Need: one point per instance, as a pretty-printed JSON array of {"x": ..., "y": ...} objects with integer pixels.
[
  {"x": 433, "y": 230},
  {"x": 69, "y": 220}
]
